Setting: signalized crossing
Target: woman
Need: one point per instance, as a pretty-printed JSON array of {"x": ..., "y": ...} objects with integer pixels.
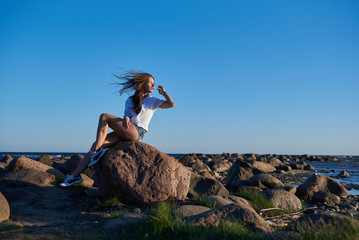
[{"x": 139, "y": 109}]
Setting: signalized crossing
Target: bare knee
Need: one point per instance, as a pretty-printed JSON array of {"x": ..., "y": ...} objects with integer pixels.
[{"x": 104, "y": 117}]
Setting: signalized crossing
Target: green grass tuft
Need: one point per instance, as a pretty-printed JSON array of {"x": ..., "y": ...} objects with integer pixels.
[
  {"x": 206, "y": 203},
  {"x": 9, "y": 227},
  {"x": 107, "y": 204},
  {"x": 259, "y": 201},
  {"x": 340, "y": 231}
]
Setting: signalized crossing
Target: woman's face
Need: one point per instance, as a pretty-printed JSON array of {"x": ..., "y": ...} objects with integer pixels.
[{"x": 149, "y": 85}]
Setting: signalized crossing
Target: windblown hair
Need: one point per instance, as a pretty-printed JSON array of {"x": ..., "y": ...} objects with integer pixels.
[{"x": 134, "y": 81}]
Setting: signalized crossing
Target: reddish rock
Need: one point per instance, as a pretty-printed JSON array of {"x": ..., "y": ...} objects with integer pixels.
[
  {"x": 4, "y": 208},
  {"x": 25, "y": 163},
  {"x": 141, "y": 174},
  {"x": 29, "y": 176}
]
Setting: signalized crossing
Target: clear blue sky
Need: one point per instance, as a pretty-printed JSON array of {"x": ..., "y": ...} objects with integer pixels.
[{"x": 246, "y": 76}]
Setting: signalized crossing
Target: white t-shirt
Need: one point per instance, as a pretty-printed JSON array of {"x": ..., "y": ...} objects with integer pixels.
[{"x": 149, "y": 106}]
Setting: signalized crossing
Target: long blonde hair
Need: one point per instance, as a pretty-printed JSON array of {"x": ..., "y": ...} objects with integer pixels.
[{"x": 134, "y": 81}]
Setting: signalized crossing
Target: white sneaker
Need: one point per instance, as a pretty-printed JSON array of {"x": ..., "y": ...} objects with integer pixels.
[
  {"x": 96, "y": 156},
  {"x": 70, "y": 180}
]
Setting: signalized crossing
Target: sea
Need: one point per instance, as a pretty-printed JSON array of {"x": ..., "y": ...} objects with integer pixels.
[{"x": 327, "y": 168}]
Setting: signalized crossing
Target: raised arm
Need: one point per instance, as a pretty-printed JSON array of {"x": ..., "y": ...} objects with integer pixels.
[{"x": 169, "y": 103}]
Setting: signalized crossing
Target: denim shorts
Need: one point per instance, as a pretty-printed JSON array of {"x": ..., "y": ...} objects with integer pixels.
[{"x": 141, "y": 132}]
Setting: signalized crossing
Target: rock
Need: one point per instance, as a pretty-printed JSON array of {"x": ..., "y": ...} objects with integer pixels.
[
  {"x": 219, "y": 167},
  {"x": 187, "y": 160},
  {"x": 274, "y": 162},
  {"x": 297, "y": 166},
  {"x": 29, "y": 176},
  {"x": 286, "y": 168},
  {"x": 199, "y": 166},
  {"x": 46, "y": 159},
  {"x": 190, "y": 210},
  {"x": 243, "y": 170},
  {"x": 25, "y": 163},
  {"x": 290, "y": 189},
  {"x": 201, "y": 186},
  {"x": 225, "y": 200},
  {"x": 206, "y": 174},
  {"x": 4, "y": 208},
  {"x": 230, "y": 212},
  {"x": 6, "y": 159},
  {"x": 309, "y": 168},
  {"x": 2, "y": 168},
  {"x": 343, "y": 174},
  {"x": 261, "y": 167},
  {"x": 283, "y": 199},
  {"x": 87, "y": 182},
  {"x": 326, "y": 197},
  {"x": 320, "y": 183},
  {"x": 75, "y": 161},
  {"x": 141, "y": 174},
  {"x": 264, "y": 180},
  {"x": 124, "y": 220}
]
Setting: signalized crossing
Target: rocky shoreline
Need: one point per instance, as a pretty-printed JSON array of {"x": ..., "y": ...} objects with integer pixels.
[{"x": 39, "y": 209}]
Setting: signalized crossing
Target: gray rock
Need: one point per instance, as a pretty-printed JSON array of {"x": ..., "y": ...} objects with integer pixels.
[
  {"x": 230, "y": 212},
  {"x": 190, "y": 210},
  {"x": 343, "y": 174},
  {"x": 326, "y": 197},
  {"x": 320, "y": 183},
  {"x": 265, "y": 181},
  {"x": 225, "y": 200},
  {"x": 124, "y": 220},
  {"x": 201, "y": 186},
  {"x": 283, "y": 199}
]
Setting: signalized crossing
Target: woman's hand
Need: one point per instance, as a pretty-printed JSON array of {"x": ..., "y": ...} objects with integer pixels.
[
  {"x": 125, "y": 122},
  {"x": 161, "y": 90}
]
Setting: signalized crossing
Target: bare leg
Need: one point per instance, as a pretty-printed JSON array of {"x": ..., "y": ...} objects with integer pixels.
[
  {"x": 106, "y": 121},
  {"x": 111, "y": 140}
]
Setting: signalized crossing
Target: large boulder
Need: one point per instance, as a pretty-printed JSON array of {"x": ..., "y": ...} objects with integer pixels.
[
  {"x": 243, "y": 170},
  {"x": 29, "y": 176},
  {"x": 265, "y": 181},
  {"x": 283, "y": 199},
  {"x": 141, "y": 174},
  {"x": 320, "y": 183},
  {"x": 202, "y": 186},
  {"x": 26, "y": 163},
  {"x": 231, "y": 212},
  {"x": 4, "y": 208}
]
